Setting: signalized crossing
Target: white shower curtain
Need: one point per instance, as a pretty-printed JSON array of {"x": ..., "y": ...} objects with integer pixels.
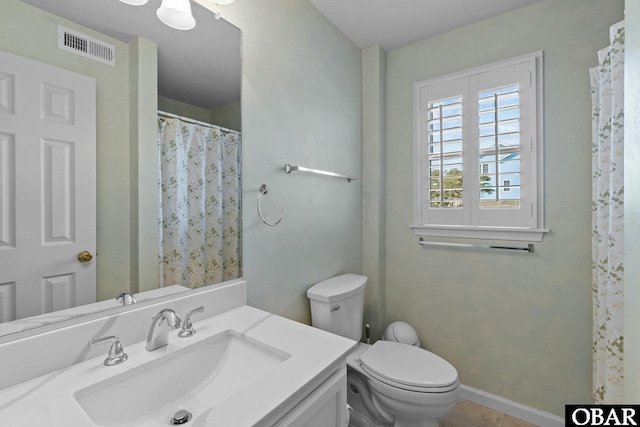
[
  {"x": 607, "y": 87},
  {"x": 199, "y": 218}
]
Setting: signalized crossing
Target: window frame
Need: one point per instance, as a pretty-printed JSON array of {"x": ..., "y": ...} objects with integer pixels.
[{"x": 469, "y": 226}]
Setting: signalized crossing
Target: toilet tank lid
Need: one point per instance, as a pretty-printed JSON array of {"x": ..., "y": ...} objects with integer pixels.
[{"x": 337, "y": 288}]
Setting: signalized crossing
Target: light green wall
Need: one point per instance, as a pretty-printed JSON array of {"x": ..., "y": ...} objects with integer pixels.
[
  {"x": 182, "y": 109},
  {"x": 32, "y": 33},
  {"x": 301, "y": 104},
  {"x": 514, "y": 324},
  {"x": 143, "y": 150},
  {"x": 374, "y": 67},
  {"x": 632, "y": 202},
  {"x": 228, "y": 116}
]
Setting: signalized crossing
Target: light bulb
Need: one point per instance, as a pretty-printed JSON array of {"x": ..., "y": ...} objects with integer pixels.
[
  {"x": 135, "y": 2},
  {"x": 176, "y": 14}
]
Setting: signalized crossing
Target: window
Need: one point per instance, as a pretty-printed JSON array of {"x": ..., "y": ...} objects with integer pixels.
[{"x": 478, "y": 152}]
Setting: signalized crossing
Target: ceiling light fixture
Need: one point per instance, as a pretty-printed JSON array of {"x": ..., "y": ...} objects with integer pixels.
[
  {"x": 135, "y": 2},
  {"x": 176, "y": 14}
]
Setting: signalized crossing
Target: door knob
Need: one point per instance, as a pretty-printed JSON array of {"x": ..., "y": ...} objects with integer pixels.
[{"x": 85, "y": 256}]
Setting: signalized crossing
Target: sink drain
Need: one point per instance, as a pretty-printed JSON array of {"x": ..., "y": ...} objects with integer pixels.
[{"x": 181, "y": 417}]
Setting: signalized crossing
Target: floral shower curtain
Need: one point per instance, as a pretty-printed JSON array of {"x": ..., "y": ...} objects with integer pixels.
[
  {"x": 199, "y": 218},
  {"x": 607, "y": 87}
]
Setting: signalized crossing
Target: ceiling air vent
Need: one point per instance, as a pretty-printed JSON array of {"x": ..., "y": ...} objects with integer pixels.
[{"x": 83, "y": 45}]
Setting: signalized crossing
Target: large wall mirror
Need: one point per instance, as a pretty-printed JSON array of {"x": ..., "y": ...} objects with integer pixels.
[{"x": 194, "y": 76}]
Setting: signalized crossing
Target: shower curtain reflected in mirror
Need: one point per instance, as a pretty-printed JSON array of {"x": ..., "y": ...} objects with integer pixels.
[{"x": 199, "y": 215}]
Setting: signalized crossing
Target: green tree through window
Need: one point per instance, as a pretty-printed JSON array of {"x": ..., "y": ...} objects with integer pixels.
[{"x": 452, "y": 188}]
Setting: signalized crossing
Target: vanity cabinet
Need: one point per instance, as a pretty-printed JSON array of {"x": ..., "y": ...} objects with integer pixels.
[{"x": 326, "y": 406}]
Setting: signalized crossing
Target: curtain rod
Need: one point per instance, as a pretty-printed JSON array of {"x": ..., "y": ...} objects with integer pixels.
[{"x": 197, "y": 122}]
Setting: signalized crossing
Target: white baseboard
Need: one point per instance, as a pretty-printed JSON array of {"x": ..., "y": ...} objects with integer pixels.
[{"x": 509, "y": 407}]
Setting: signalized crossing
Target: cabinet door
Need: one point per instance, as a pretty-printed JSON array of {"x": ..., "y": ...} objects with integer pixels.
[{"x": 325, "y": 407}]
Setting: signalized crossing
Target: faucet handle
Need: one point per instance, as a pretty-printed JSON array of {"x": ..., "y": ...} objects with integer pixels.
[
  {"x": 126, "y": 298},
  {"x": 116, "y": 352},
  {"x": 187, "y": 326}
]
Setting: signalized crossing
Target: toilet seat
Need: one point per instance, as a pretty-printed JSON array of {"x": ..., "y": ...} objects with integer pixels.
[{"x": 409, "y": 368}]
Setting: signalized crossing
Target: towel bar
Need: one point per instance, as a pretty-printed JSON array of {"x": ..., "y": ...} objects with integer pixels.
[
  {"x": 529, "y": 247},
  {"x": 288, "y": 169},
  {"x": 262, "y": 191}
]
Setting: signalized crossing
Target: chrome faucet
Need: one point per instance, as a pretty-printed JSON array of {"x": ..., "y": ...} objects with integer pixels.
[
  {"x": 116, "y": 352},
  {"x": 187, "y": 326},
  {"x": 126, "y": 298},
  {"x": 165, "y": 321}
]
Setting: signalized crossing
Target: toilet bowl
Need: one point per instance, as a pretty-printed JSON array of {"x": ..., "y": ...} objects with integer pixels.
[
  {"x": 399, "y": 385},
  {"x": 389, "y": 383},
  {"x": 358, "y": 419}
]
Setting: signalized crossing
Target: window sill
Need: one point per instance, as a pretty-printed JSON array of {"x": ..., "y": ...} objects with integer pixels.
[{"x": 493, "y": 233}]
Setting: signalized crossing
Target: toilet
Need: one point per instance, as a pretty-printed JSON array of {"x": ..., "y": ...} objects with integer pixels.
[{"x": 388, "y": 383}]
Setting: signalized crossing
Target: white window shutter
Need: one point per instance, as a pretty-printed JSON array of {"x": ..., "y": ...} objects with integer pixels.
[{"x": 478, "y": 151}]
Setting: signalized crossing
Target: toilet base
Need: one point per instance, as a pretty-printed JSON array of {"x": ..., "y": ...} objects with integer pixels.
[
  {"x": 362, "y": 408},
  {"x": 415, "y": 423},
  {"x": 360, "y": 396},
  {"x": 359, "y": 399},
  {"x": 356, "y": 419}
]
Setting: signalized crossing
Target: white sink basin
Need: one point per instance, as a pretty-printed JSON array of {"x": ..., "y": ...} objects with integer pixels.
[
  {"x": 244, "y": 368},
  {"x": 194, "y": 378}
]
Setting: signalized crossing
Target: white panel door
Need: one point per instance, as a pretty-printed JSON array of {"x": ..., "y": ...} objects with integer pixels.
[{"x": 47, "y": 188}]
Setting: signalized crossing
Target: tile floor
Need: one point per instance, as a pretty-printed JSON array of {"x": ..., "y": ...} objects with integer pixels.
[{"x": 469, "y": 414}]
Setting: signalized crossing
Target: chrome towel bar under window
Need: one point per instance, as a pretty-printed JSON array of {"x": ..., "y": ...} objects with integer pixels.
[
  {"x": 288, "y": 169},
  {"x": 529, "y": 247}
]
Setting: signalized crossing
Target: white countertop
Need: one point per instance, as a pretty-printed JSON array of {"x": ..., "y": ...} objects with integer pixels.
[{"x": 49, "y": 401}]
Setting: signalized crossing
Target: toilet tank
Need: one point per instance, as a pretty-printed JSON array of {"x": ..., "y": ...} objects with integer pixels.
[{"x": 337, "y": 305}]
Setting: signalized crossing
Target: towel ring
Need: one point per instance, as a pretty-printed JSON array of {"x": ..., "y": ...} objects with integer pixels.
[{"x": 264, "y": 190}]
